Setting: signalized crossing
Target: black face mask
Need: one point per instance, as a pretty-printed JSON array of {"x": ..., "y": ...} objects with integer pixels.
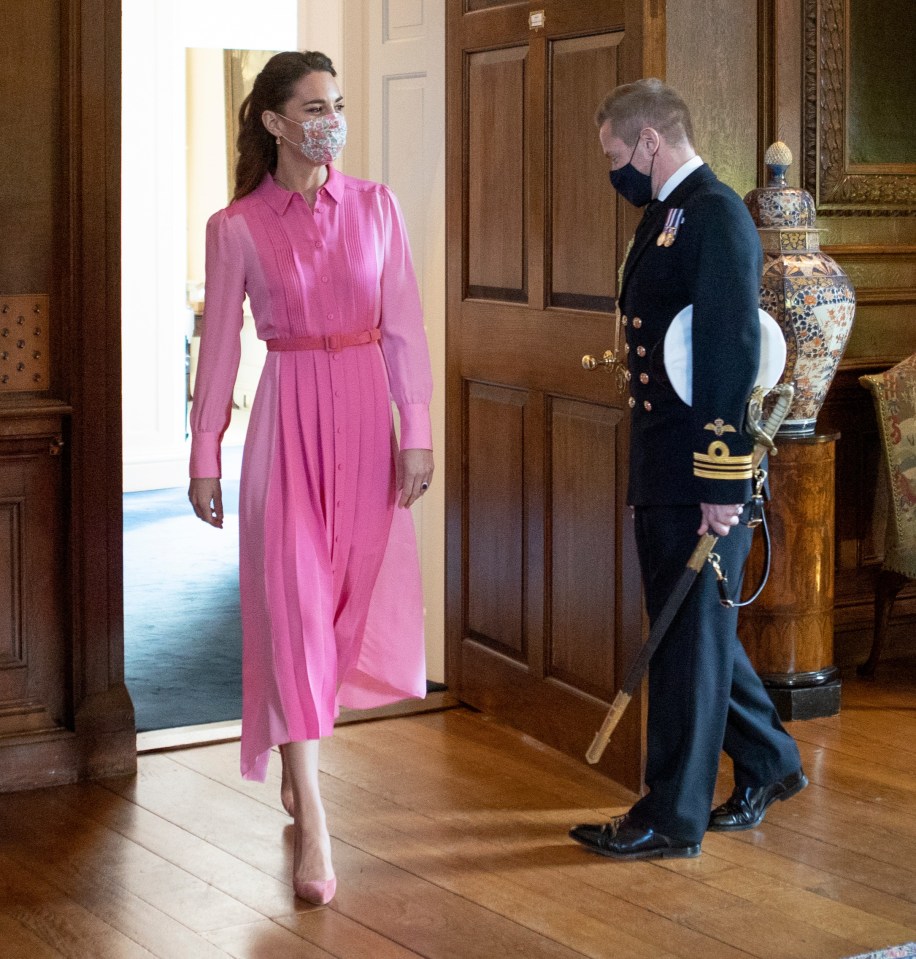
[{"x": 633, "y": 186}]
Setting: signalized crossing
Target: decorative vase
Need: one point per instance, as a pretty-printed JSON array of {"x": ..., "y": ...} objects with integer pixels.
[{"x": 802, "y": 288}]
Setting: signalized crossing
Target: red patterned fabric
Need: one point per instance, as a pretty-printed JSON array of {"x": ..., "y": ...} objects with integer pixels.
[{"x": 894, "y": 393}]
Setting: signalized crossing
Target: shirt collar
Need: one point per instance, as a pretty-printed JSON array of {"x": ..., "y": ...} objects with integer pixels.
[
  {"x": 678, "y": 177},
  {"x": 280, "y": 199}
]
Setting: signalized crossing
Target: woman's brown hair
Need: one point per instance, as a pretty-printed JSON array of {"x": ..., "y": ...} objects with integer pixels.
[{"x": 273, "y": 86}]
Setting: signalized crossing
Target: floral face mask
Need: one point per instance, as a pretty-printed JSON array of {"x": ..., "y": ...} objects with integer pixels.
[{"x": 324, "y": 136}]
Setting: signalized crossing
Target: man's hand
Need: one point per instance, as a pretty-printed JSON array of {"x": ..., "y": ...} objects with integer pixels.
[
  {"x": 206, "y": 496},
  {"x": 414, "y": 474},
  {"x": 719, "y": 519}
]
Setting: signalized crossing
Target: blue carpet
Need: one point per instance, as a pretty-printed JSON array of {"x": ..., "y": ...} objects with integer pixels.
[
  {"x": 182, "y": 625},
  {"x": 182, "y": 629}
]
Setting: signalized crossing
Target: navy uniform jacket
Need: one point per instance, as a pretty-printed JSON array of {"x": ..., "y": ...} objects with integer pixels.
[{"x": 679, "y": 454}]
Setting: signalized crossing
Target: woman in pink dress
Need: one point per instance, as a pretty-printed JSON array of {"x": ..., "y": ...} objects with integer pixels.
[{"x": 328, "y": 568}]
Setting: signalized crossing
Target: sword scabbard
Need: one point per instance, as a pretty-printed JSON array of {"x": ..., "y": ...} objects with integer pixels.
[
  {"x": 763, "y": 434},
  {"x": 603, "y": 736}
]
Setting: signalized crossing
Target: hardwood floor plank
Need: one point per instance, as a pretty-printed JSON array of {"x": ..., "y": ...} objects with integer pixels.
[
  {"x": 401, "y": 907},
  {"x": 512, "y": 863},
  {"x": 263, "y": 893},
  {"x": 102, "y": 880},
  {"x": 892, "y": 878},
  {"x": 260, "y": 940},
  {"x": 832, "y": 739},
  {"x": 21, "y": 943},
  {"x": 342, "y": 936},
  {"x": 802, "y": 876},
  {"x": 103, "y": 855},
  {"x": 449, "y": 833},
  {"x": 429, "y": 848},
  {"x": 51, "y": 916},
  {"x": 847, "y": 922}
]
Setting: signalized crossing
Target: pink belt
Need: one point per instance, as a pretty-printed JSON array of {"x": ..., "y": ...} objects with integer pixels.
[{"x": 333, "y": 343}]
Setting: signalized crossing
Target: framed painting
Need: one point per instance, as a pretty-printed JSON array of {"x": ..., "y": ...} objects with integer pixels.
[{"x": 860, "y": 98}]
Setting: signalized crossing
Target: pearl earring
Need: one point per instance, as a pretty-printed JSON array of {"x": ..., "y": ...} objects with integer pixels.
[{"x": 278, "y": 141}]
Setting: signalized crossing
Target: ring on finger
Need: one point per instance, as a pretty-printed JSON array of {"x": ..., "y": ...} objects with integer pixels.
[{"x": 424, "y": 486}]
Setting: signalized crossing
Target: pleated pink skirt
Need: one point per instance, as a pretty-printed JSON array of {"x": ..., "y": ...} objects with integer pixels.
[{"x": 329, "y": 576}]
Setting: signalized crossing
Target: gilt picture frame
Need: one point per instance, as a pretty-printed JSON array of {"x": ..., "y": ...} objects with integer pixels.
[{"x": 860, "y": 95}]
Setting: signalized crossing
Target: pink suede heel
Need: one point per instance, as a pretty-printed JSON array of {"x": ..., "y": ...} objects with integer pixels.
[{"x": 318, "y": 893}]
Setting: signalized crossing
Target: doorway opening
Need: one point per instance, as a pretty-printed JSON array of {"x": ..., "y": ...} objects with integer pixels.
[
  {"x": 177, "y": 107},
  {"x": 186, "y": 68}
]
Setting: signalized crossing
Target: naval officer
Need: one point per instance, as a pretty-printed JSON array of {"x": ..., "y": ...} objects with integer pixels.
[{"x": 690, "y": 472}]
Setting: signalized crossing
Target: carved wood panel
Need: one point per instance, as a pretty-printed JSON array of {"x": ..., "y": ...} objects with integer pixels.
[
  {"x": 33, "y": 655},
  {"x": 583, "y": 537},
  {"x": 496, "y": 249},
  {"x": 11, "y": 653},
  {"x": 496, "y": 516},
  {"x": 582, "y": 231}
]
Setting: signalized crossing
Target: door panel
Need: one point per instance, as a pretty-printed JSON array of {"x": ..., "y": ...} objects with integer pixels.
[
  {"x": 583, "y": 531},
  {"x": 543, "y": 605},
  {"x": 496, "y": 152},
  {"x": 582, "y": 243},
  {"x": 495, "y": 448}
]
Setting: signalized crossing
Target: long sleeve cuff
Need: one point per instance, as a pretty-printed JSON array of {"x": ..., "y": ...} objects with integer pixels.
[
  {"x": 205, "y": 456},
  {"x": 416, "y": 429}
]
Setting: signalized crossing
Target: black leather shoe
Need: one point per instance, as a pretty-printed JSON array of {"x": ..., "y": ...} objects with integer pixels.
[
  {"x": 621, "y": 838},
  {"x": 745, "y": 808}
]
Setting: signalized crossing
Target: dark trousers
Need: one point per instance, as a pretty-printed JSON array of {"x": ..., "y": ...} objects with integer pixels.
[{"x": 704, "y": 695}]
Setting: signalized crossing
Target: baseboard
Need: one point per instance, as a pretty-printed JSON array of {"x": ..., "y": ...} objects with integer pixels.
[
  {"x": 181, "y": 737},
  {"x": 208, "y": 734}
]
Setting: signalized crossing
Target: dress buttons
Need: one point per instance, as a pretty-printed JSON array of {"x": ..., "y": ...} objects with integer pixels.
[
  {"x": 626, "y": 347},
  {"x": 628, "y": 376},
  {"x": 640, "y": 351},
  {"x": 643, "y": 378},
  {"x": 330, "y": 316},
  {"x": 631, "y": 402},
  {"x": 637, "y": 322},
  {"x": 325, "y": 279},
  {"x": 647, "y": 406},
  {"x": 317, "y": 244},
  {"x": 624, "y": 320}
]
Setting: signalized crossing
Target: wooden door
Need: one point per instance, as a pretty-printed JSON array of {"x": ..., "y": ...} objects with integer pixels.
[{"x": 544, "y": 609}]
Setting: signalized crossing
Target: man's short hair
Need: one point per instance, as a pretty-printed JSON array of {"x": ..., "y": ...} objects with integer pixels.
[{"x": 646, "y": 103}]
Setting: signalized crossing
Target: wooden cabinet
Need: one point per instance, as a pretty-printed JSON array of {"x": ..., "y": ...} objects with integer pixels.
[{"x": 33, "y": 605}]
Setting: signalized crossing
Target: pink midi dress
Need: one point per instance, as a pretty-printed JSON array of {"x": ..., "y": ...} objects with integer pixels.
[{"x": 328, "y": 570}]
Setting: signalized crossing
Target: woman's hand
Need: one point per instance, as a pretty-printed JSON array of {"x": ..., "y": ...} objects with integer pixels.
[
  {"x": 206, "y": 496},
  {"x": 414, "y": 473}
]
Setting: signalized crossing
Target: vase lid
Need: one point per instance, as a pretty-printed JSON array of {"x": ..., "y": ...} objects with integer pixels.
[{"x": 777, "y": 204}]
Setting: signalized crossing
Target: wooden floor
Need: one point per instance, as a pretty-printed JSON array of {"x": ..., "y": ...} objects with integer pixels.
[{"x": 450, "y": 842}]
